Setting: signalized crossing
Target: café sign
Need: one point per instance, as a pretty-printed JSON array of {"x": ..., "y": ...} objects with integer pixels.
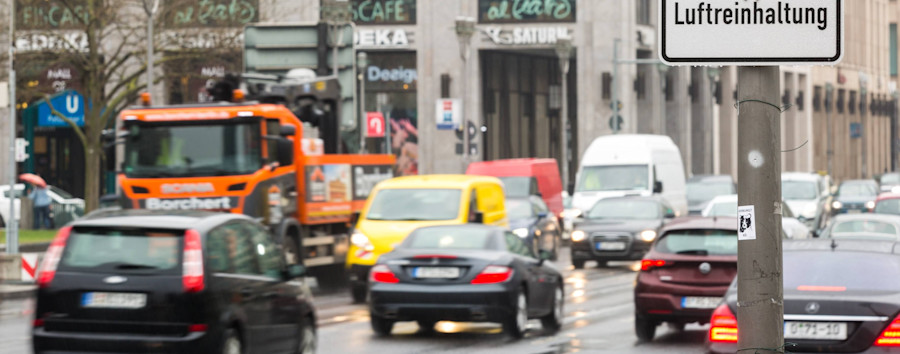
[
  {"x": 526, "y": 11},
  {"x": 384, "y": 12}
]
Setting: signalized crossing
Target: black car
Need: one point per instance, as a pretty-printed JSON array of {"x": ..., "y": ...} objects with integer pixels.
[
  {"x": 840, "y": 296},
  {"x": 468, "y": 273},
  {"x": 702, "y": 189},
  {"x": 530, "y": 219},
  {"x": 855, "y": 196},
  {"x": 617, "y": 229},
  {"x": 192, "y": 282}
]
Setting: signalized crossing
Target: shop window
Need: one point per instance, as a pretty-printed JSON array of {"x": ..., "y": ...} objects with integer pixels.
[
  {"x": 840, "y": 101},
  {"x": 851, "y": 104},
  {"x": 607, "y": 85},
  {"x": 643, "y": 12},
  {"x": 799, "y": 101},
  {"x": 817, "y": 98}
]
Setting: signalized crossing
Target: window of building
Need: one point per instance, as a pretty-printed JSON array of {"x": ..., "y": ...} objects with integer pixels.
[
  {"x": 852, "y": 104},
  {"x": 643, "y": 12},
  {"x": 893, "y": 50}
]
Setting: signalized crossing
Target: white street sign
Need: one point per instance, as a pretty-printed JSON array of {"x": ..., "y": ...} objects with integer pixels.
[{"x": 751, "y": 33}]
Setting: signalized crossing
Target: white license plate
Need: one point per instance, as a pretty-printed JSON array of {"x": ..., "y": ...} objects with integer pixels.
[
  {"x": 700, "y": 302},
  {"x": 611, "y": 246},
  {"x": 854, "y": 211},
  {"x": 815, "y": 330},
  {"x": 113, "y": 300},
  {"x": 436, "y": 272}
]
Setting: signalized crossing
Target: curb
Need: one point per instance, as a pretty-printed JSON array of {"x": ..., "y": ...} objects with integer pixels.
[{"x": 24, "y": 292}]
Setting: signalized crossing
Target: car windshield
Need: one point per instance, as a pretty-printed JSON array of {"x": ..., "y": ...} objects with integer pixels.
[
  {"x": 517, "y": 209},
  {"x": 702, "y": 191},
  {"x": 105, "y": 250},
  {"x": 415, "y": 204},
  {"x": 840, "y": 271},
  {"x": 614, "y": 178},
  {"x": 218, "y": 148},
  {"x": 798, "y": 190},
  {"x": 890, "y": 178},
  {"x": 518, "y": 187},
  {"x": 449, "y": 238},
  {"x": 704, "y": 241},
  {"x": 888, "y": 206},
  {"x": 857, "y": 190},
  {"x": 863, "y": 228},
  {"x": 723, "y": 209},
  {"x": 625, "y": 209}
]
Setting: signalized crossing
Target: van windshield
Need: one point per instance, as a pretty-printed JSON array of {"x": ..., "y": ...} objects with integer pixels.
[
  {"x": 415, "y": 205},
  {"x": 614, "y": 178},
  {"x": 104, "y": 250}
]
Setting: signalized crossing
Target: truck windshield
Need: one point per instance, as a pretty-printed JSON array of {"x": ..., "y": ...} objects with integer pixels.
[
  {"x": 220, "y": 148},
  {"x": 614, "y": 178}
]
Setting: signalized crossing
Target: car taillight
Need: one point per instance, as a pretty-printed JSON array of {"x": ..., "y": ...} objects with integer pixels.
[
  {"x": 198, "y": 328},
  {"x": 723, "y": 326},
  {"x": 382, "y": 274},
  {"x": 38, "y": 322},
  {"x": 648, "y": 264},
  {"x": 890, "y": 337},
  {"x": 192, "y": 264},
  {"x": 51, "y": 258},
  {"x": 493, "y": 274}
]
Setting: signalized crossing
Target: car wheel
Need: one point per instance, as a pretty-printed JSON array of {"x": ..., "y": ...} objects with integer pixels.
[
  {"x": 553, "y": 321},
  {"x": 231, "y": 344},
  {"x": 644, "y": 329},
  {"x": 381, "y": 326},
  {"x": 602, "y": 264},
  {"x": 308, "y": 340},
  {"x": 578, "y": 263},
  {"x": 517, "y": 321},
  {"x": 426, "y": 325},
  {"x": 2, "y": 221},
  {"x": 358, "y": 291}
]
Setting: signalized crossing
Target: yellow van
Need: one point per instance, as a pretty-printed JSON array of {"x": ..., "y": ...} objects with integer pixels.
[{"x": 398, "y": 206}]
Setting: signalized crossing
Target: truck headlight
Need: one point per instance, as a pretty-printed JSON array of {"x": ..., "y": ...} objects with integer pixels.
[
  {"x": 521, "y": 232},
  {"x": 578, "y": 236},
  {"x": 647, "y": 235},
  {"x": 360, "y": 240}
]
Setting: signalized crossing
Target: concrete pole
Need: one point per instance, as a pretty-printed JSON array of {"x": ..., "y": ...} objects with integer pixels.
[
  {"x": 615, "y": 89},
  {"x": 564, "y": 121},
  {"x": 12, "y": 234},
  {"x": 760, "y": 311}
]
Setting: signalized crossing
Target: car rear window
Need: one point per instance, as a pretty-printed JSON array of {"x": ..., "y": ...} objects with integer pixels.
[
  {"x": 449, "y": 238},
  {"x": 703, "y": 242},
  {"x": 116, "y": 250},
  {"x": 865, "y": 227},
  {"x": 888, "y": 206},
  {"x": 841, "y": 271}
]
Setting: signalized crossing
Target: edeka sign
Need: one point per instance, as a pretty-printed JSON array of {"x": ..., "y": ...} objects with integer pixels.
[
  {"x": 761, "y": 32},
  {"x": 519, "y": 11},
  {"x": 68, "y": 103},
  {"x": 381, "y": 38},
  {"x": 384, "y": 12}
]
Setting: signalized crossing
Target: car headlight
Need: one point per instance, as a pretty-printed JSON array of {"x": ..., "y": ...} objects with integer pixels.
[
  {"x": 521, "y": 232},
  {"x": 870, "y": 204},
  {"x": 837, "y": 205},
  {"x": 647, "y": 235},
  {"x": 360, "y": 240},
  {"x": 578, "y": 236}
]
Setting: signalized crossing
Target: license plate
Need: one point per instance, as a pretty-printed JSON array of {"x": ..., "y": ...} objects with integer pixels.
[
  {"x": 854, "y": 211},
  {"x": 700, "y": 302},
  {"x": 611, "y": 246},
  {"x": 113, "y": 300},
  {"x": 815, "y": 330},
  {"x": 436, "y": 272}
]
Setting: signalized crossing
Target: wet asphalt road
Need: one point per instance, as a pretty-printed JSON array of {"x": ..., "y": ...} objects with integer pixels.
[{"x": 599, "y": 319}]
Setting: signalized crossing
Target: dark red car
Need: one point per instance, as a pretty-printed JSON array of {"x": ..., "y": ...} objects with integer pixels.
[{"x": 685, "y": 274}]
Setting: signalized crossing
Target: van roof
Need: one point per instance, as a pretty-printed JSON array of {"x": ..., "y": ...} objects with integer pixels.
[
  {"x": 509, "y": 167},
  {"x": 436, "y": 181},
  {"x": 626, "y": 148},
  {"x": 153, "y": 219}
]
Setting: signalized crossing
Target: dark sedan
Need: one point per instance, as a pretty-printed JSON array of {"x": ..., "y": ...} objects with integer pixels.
[
  {"x": 840, "y": 296},
  {"x": 685, "y": 275},
  {"x": 531, "y": 220},
  {"x": 468, "y": 273},
  {"x": 617, "y": 229},
  {"x": 855, "y": 196}
]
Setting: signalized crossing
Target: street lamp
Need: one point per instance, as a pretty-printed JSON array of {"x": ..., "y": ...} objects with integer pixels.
[
  {"x": 829, "y": 98},
  {"x": 713, "y": 74},
  {"x": 564, "y": 52},
  {"x": 362, "y": 62},
  {"x": 150, "y": 9},
  {"x": 12, "y": 239},
  {"x": 663, "y": 72},
  {"x": 863, "y": 90},
  {"x": 337, "y": 14},
  {"x": 465, "y": 29}
]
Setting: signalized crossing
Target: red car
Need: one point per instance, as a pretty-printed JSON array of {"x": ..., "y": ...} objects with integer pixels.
[{"x": 685, "y": 274}]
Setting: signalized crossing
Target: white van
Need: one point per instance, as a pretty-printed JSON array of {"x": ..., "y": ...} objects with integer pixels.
[{"x": 619, "y": 165}]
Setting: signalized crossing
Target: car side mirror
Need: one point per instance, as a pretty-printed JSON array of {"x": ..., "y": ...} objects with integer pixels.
[
  {"x": 657, "y": 187},
  {"x": 478, "y": 218},
  {"x": 294, "y": 271},
  {"x": 288, "y": 130},
  {"x": 285, "y": 152},
  {"x": 542, "y": 214}
]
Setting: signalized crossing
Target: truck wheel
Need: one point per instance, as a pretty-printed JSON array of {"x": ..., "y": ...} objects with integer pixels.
[{"x": 358, "y": 291}]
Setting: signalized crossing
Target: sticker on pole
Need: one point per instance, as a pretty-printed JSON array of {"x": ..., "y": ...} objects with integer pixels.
[
  {"x": 757, "y": 33},
  {"x": 746, "y": 223}
]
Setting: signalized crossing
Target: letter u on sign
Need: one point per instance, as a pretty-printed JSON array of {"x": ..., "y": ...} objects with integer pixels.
[{"x": 72, "y": 104}]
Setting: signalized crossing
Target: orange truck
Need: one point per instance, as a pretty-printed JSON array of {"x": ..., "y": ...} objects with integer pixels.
[{"x": 248, "y": 155}]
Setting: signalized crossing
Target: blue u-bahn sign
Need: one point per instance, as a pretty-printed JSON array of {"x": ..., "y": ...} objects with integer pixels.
[{"x": 68, "y": 103}]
